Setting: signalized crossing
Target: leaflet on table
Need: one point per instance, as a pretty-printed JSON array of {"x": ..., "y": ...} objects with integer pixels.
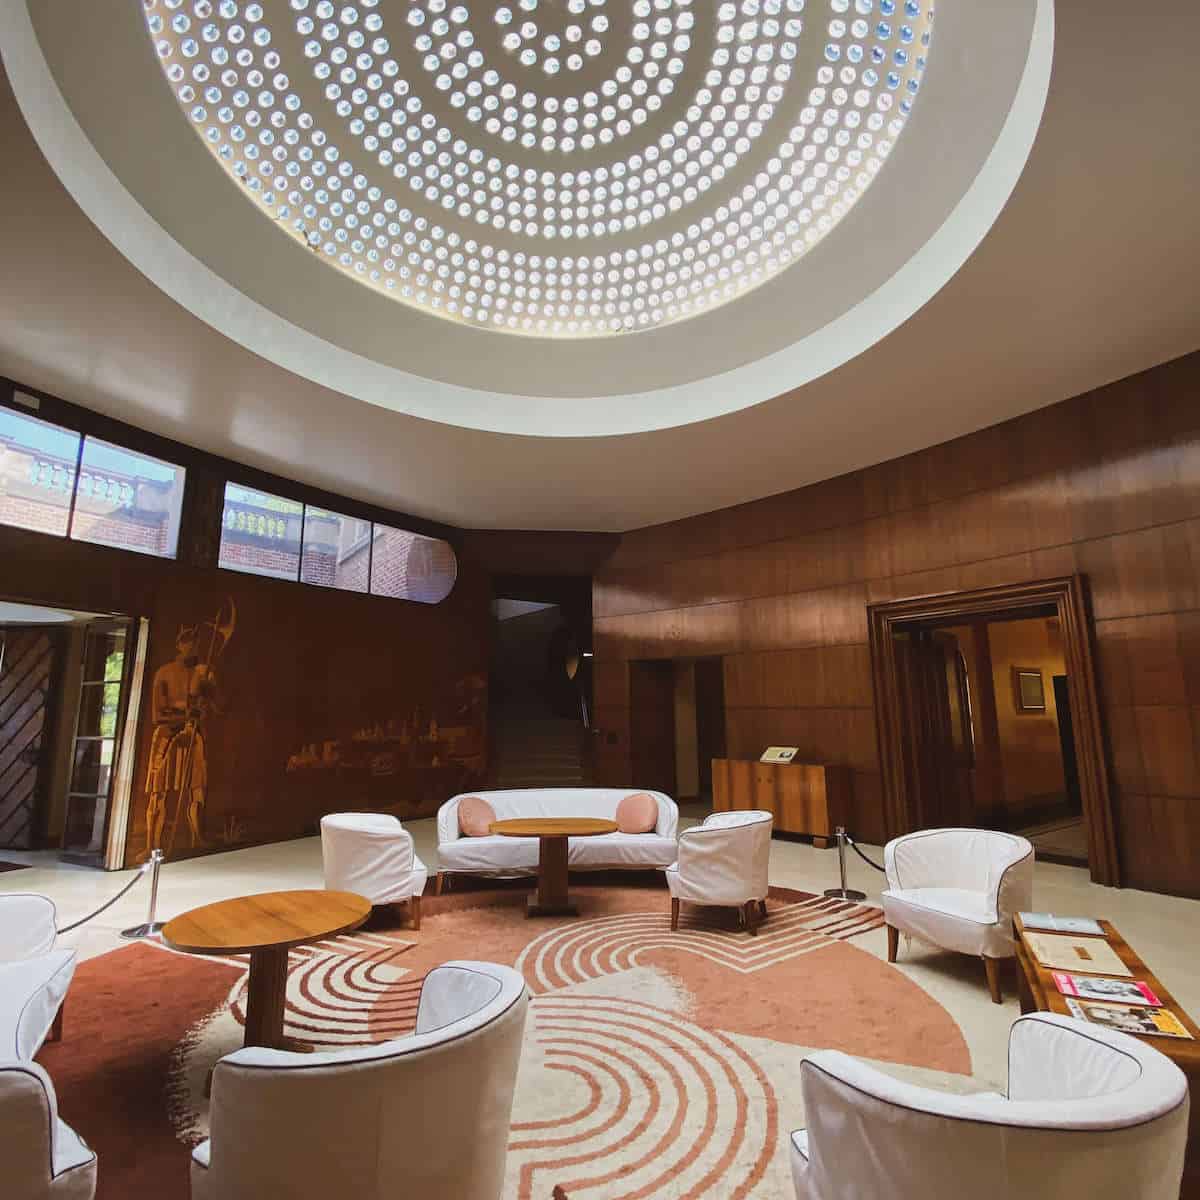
[
  {"x": 1053, "y": 924},
  {"x": 1072, "y": 952},
  {"x": 1090, "y": 987},
  {"x": 1155, "y": 1022}
]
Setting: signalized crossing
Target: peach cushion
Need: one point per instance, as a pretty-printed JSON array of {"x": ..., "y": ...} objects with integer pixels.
[
  {"x": 637, "y": 813},
  {"x": 474, "y": 816}
]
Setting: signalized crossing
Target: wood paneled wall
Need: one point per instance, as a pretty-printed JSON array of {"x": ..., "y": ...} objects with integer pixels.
[{"x": 1106, "y": 484}]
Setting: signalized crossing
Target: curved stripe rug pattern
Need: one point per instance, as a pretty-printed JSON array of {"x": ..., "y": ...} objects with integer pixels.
[{"x": 656, "y": 1063}]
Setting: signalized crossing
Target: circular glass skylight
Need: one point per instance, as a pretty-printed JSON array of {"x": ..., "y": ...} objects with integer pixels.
[{"x": 571, "y": 168}]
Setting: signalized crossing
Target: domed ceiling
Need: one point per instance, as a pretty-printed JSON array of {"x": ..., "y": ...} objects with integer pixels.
[
  {"x": 567, "y": 218},
  {"x": 562, "y": 168}
]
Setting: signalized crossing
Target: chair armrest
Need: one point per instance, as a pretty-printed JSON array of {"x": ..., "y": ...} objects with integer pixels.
[
  {"x": 28, "y": 925},
  {"x": 30, "y": 1124},
  {"x": 1013, "y": 887},
  {"x": 447, "y": 822},
  {"x": 668, "y": 816}
]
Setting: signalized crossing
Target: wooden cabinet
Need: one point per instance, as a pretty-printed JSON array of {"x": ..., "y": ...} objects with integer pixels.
[{"x": 803, "y": 798}]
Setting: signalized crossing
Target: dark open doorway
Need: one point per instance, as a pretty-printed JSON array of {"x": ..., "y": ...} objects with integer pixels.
[
  {"x": 70, "y": 685},
  {"x": 677, "y": 725},
  {"x": 987, "y": 716},
  {"x": 540, "y": 683}
]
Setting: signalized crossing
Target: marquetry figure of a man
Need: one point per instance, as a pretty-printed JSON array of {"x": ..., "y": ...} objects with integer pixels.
[{"x": 182, "y": 692}]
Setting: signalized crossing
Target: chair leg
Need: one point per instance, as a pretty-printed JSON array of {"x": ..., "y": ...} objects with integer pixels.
[
  {"x": 992, "y": 966},
  {"x": 437, "y": 883},
  {"x": 414, "y": 908},
  {"x": 893, "y": 942},
  {"x": 56, "y": 1027},
  {"x": 751, "y": 917},
  {"x": 762, "y": 910},
  {"x": 674, "y": 913}
]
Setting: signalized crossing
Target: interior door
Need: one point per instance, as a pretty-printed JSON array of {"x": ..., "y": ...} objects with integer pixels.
[
  {"x": 30, "y": 658},
  {"x": 937, "y": 745},
  {"x": 652, "y": 725},
  {"x": 103, "y": 702},
  {"x": 710, "y": 718}
]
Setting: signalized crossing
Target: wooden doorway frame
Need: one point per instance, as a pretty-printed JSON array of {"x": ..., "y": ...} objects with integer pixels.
[{"x": 1068, "y": 594}]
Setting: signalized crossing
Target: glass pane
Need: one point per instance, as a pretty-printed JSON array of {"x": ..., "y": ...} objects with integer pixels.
[
  {"x": 260, "y": 533},
  {"x": 84, "y": 830},
  {"x": 98, "y": 704},
  {"x": 93, "y": 766},
  {"x": 103, "y": 655},
  {"x": 128, "y": 500},
  {"x": 37, "y": 472},
  {"x": 411, "y": 566},
  {"x": 336, "y": 550}
]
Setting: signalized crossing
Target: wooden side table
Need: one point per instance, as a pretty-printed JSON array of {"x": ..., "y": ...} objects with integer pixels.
[
  {"x": 1037, "y": 993},
  {"x": 266, "y": 927},
  {"x": 551, "y": 898}
]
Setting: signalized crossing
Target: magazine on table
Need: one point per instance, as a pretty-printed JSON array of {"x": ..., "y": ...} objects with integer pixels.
[
  {"x": 1125, "y": 1018},
  {"x": 1074, "y": 952},
  {"x": 1052, "y": 924},
  {"x": 1091, "y": 987}
]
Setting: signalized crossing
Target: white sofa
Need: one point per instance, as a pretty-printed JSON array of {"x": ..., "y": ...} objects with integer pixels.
[
  {"x": 425, "y": 1115},
  {"x": 958, "y": 889},
  {"x": 505, "y": 856},
  {"x": 1088, "y": 1113}
]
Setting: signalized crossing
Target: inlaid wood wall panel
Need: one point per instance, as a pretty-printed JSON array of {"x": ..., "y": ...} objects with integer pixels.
[{"x": 1106, "y": 484}]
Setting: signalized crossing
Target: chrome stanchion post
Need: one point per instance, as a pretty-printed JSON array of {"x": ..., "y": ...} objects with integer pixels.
[
  {"x": 843, "y": 892},
  {"x": 152, "y": 926}
]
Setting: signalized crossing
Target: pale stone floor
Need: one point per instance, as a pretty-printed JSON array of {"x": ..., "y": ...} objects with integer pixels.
[{"x": 1165, "y": 930}]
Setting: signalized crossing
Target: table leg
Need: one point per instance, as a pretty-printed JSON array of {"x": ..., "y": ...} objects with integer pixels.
[
  {"x": 551, "y": 899},
  {"x": 265, "y": 995}
]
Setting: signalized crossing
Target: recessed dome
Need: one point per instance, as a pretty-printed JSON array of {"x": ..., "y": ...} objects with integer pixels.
[{"x": 569, "y": 169}]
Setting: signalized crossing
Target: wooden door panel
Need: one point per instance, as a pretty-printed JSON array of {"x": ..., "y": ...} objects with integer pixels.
[{"x": 28, "y": 658}]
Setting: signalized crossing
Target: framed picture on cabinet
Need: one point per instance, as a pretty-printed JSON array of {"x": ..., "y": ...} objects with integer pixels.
[{"x": 1029, "y": 690}]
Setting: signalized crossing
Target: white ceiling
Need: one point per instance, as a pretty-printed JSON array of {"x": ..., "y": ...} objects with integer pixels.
[{"x": 1087, "y": 276}]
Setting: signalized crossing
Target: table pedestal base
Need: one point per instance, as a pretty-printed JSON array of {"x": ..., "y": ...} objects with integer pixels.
[{"x": 551, "y": 898}]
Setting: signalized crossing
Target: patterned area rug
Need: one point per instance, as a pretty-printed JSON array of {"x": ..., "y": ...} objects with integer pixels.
[{"x": 656, "y": 1064}]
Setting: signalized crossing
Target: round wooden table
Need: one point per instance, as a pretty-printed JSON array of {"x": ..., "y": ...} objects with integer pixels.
[
  {"x": 265, "y": 927},
  {"x": 551, "y": 898}
]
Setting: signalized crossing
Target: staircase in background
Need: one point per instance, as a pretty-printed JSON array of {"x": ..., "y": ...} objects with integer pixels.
[{"x": 538, "y": 751}]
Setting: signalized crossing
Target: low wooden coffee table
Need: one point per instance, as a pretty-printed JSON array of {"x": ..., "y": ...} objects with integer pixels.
[
  {"x": 266, "y": 927},
  {"x": 551, "y": 898},
  {"x": 1037, "y": 993}
]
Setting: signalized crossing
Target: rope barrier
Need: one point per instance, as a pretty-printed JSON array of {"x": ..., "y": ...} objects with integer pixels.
[
  {"x": 868, "y": 861},
  {"x": 108, "y": 903}
]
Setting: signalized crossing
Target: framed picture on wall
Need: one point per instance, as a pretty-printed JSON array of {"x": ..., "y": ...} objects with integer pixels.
[{"x": 1029, "y": 691}]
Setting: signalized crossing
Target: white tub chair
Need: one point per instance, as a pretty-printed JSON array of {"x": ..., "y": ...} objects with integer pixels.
[
  {"x": 372, "y": 855},
  {"x": 41, "y": 1157},
  {"x": 34, "y": 974},
  {"x": 1088, "y": 1113},
  {"x": 958, "y": 889},
  {"x": 724, "y": 861},
  {"x": 424, "y": 1115}
]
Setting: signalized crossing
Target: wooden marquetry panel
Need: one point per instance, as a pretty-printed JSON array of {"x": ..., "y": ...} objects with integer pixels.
[
  {"x": 803, "y": 798},
  {"x": 1105, "y": 485}
]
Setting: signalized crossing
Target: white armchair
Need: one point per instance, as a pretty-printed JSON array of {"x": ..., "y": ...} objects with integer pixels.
[
  {"x": 424, "y": 1115},
  {"x": 958, "y": 889},
  {"x": 34, "y": 975},
  {"x": 724, "y": 861},
  {"x": 41, "y": 1157},
  {"x": 1088, "y": 1113},
  {"x": 372, "y": 855}
]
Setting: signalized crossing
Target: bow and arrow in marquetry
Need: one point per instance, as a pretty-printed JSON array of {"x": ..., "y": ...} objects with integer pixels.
[{"x": 201, "y": 700}]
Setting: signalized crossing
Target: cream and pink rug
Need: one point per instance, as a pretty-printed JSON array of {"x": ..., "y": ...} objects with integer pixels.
[{"x": 656, "y": 1064}]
